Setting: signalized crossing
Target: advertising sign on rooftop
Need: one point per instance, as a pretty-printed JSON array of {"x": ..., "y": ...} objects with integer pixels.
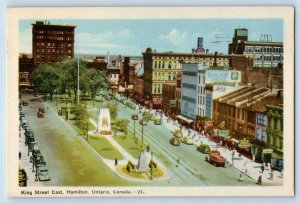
[{"x": 213, "y": 76}]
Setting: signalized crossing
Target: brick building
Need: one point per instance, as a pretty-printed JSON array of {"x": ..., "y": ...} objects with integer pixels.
[
  {"x": 169, "y": 99},
  {"x": 25, "y": 71},
  {"x": 51, "y": 43},
  {"x": 162, "y": 67}
]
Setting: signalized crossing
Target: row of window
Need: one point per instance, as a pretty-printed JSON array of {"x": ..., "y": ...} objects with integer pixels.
[
  {"x": 157, "y": 88},
  {"x": 264, "y": 49},
  {"x": 201, "y": 100},
  {"x": 189, "y": 73},
  {"x": 201, "y": 90},
  {"x": 189, "y": 86},
  {"x": 54, "y": 37},
  {"x": 164, "y": 76},
  {"x": 56, "y": 32},
  {"x": 268, "y": 58},
  {"x": 166, "y": 65},
  {"x": 42, "y": 57},
  {"x": 189, "y": 99},
  {"x": 53, "y": 51}
]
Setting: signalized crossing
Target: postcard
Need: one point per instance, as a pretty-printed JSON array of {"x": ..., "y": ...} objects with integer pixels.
[{"x": 150, "y": 101}]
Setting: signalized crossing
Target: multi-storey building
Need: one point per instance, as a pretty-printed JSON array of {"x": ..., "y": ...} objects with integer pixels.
[
  {"x": 51, "y": 43},
  {"x": 164, "y": 67},
  {"x": 168, "y": 99},
  {"x": 265, "y": 53},
  {"x": 25, "y": 71}
]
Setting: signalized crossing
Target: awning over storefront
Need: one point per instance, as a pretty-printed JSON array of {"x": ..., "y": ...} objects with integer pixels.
[
  {"x": 235, "y": 140},
  {"x": 184, "y": 119}
]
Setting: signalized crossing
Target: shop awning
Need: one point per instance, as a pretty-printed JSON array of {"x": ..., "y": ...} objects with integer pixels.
[
  {"x": 235, "y": 140},
  {"x": 157, "y": 101},
  {"x": 184, "y": 119}
]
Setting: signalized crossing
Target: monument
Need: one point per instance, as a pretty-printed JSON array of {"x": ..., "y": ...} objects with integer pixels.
[
  {"x": 142, "y": 162},
  {"x": 104, "y": 122}
]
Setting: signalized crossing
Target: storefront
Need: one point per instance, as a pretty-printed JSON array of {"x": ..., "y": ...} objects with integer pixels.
[
  {"x": 277, "y": 160},
  {"x": 184, "y": 121}
]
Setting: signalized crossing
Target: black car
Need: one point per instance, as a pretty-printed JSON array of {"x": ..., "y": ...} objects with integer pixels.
[{"x": 22, "y": 178}]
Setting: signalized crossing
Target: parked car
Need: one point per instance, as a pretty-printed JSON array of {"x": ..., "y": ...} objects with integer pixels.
[
  {"x": 43, "y": 174},
  {"x": 41, "y": 109},
  {"x": 175, "y": 141},
  {"x": 25, "y": 103},
  {"x": 157, "y": 121},
  {"x": 40, "y": 114},
  {"x": 204, "y": 148},
  {"x": 216, "y": 159},
  {"x": 22, "y": 178}
]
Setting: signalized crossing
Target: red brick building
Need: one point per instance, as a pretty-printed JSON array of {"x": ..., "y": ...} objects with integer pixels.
[{"x": 51, "y": 43}]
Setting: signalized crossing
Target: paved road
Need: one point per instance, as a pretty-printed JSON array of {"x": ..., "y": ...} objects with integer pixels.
[
  {"x": 193, "y": 170},
  {"x": 70, "y": 161}
]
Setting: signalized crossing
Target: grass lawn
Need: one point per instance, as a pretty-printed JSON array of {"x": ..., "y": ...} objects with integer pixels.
[
  {"x": 157, "y": 173},
  {"x": 128, "y": 143},
  {"x": 104, "y": 148}
]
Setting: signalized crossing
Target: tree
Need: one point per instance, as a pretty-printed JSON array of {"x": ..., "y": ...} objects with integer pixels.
[
  {"x": 95, "y": 80},
  {"x": 113, "y": 109},
  {"x": 122, "y": 125},
  {"x": 69, "y": 74},
  {"x": 45, "y": 79},
  {"x": 81, "y": 115}
]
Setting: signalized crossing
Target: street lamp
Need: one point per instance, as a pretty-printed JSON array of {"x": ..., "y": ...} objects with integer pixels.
[
  {"x": 142, "y": 123},
  {"x": 134, "y": 117},
  {"x": 152, "y": 165}
]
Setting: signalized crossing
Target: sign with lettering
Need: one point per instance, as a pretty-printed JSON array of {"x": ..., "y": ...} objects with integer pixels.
[{"x": 213, "y": 76}]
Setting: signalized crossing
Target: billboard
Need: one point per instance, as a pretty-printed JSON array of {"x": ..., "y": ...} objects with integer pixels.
[{"x": 228, "y": 76}]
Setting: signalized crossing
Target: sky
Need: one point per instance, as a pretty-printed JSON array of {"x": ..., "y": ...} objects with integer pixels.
[{"x": 132, "y": 37}]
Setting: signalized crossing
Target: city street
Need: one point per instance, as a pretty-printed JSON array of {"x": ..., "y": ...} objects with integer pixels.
[{"x": 193, "y": 169}]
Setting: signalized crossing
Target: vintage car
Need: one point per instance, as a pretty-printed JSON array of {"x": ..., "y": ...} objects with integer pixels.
[
  {"x": 157, "y": 121},
  {"x": 43, "y": 173},
  {"x": 216, "y": 159},
  {"x": 25, "y": 103},
  {"x": 40, "y": 114},
  {"x": 22, "y": 178},
  {"x": 175, "y": 141},
  {"x": 41, "y": 109},
  {"x": 187, "y": 141},
  {"x": 204, "y": 148}
]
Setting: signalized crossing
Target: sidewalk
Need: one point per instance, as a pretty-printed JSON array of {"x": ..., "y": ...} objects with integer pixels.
[{"x": 243, "y": 164}]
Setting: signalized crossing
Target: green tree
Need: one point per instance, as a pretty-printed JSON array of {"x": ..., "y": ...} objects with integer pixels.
[
  {"x": 122, "y": 125},
  {"x": 69, "y": 75},
  {"x": 95, "y": 81},
  {"x": 81, "y": 116},
  {"x": 45, "y": 79},
  {"x": 113, "y": 109}
]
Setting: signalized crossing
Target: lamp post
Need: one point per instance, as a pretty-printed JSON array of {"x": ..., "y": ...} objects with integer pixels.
[
  {"x": 152, "y": 166},
  {"x": 134, "y": 117},
  {"x": 142, "y": 123},
  {"x": 87, "y": 131}
]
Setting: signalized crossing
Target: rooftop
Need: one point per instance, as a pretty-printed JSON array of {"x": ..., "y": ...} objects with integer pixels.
[
  {"x": 260, "y": 106},
  {"x": 47, "y": 23}
]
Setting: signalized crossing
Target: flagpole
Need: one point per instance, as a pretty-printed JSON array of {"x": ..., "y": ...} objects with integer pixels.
[{"x": 78, "y": 80}]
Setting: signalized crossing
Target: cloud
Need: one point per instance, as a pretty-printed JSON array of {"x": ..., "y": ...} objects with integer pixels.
[
  {"x": 175, "y": 37},
  {"x": 125, "y": 33},
  {"x": 219, "y": 34}
]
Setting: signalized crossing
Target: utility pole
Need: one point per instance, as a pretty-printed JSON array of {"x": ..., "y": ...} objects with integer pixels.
[{"x": 78, "y": 80}]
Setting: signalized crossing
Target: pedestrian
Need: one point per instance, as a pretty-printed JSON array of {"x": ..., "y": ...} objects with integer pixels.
[
  {"x": 259, "y": 180},
  {"x": 241, "y": 179},
  {"x": 281, "y": 173},
  {"x": 116, "y": 161},
  {"x": 178, "y": 161},
  {"x": 20, "y": 155},
  {"x": 271, "y": 175},
  {"x": 262, "y": 168},
  {"x": 253, "y": 158}
]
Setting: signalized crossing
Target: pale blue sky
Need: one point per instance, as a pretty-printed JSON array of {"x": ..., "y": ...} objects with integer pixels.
[{"x": 132, "y": 37}]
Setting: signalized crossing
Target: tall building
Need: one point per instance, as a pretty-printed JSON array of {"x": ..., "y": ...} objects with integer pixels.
[
  {"x": 162, "y": 67},
  {"x": 51, "y": 43},
  {"x": 200, "y": 48},
  {"x": 265, "y": 52}
]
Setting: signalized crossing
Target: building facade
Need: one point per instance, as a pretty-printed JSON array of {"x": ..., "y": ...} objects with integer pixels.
[
  {"x": 265, "y": 53},
  {"x": 51, "y": 43},
  {"x": 160, "y": 67},
  {"x": 169, "y": 99},
  {"x": 25, "y": 71}
]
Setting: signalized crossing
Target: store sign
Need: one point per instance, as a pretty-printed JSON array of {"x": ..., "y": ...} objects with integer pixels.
[
  {"x": 244, "y": 143},
  {"x": 223, "y": 133},
  {"x": 213, "y": 76},
  {"x": 267, "y": 151}
]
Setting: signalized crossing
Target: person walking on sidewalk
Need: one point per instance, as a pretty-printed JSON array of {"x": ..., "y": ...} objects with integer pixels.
[
  {"x": 271, "y": 175},
  {"x": 262, "y": 168},
  {"x": 259, "y": 180}
]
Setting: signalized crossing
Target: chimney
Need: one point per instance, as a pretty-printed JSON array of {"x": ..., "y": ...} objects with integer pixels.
[{"x": 215, "y": 58}]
